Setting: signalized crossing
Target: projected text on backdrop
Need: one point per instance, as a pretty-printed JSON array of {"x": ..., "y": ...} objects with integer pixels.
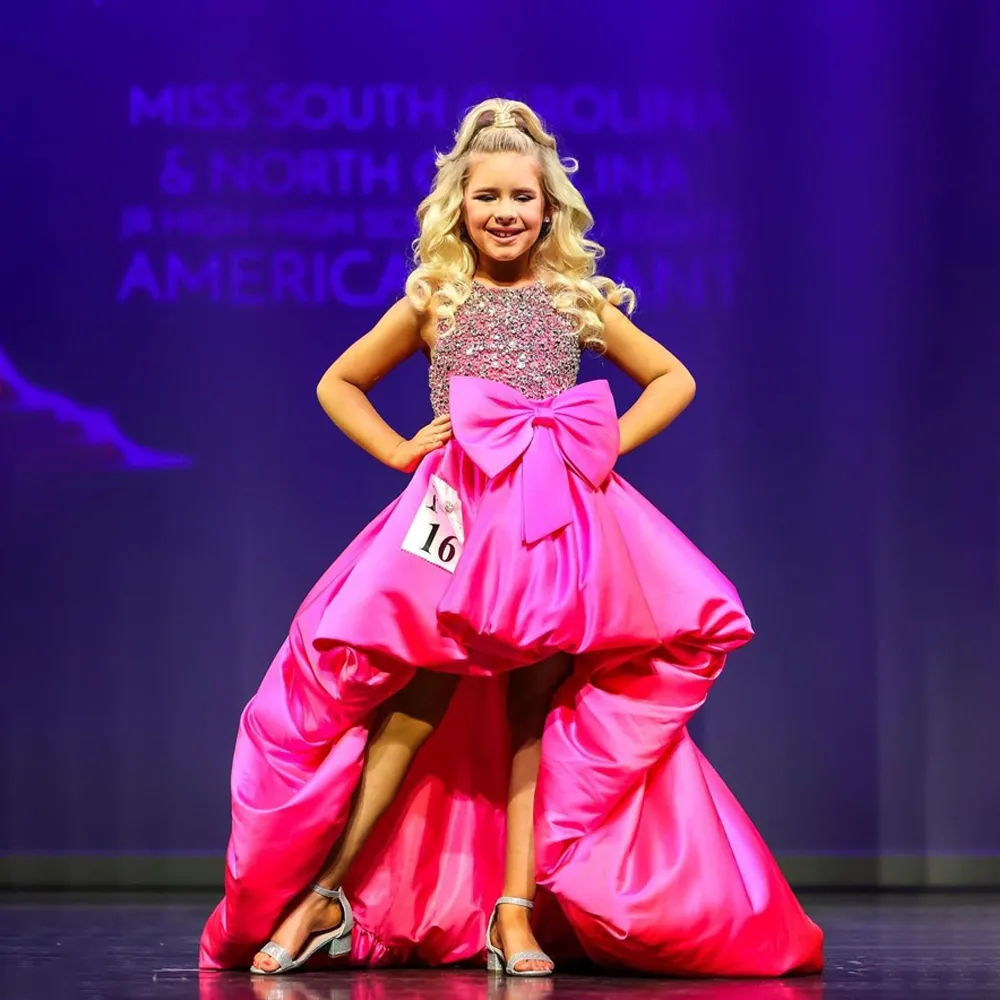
[{"x": 305, "y": 194}]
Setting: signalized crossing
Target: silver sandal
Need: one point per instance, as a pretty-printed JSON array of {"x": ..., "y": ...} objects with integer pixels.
[
  {"x": 495, "y": 959},
  {"x": 337, "y": 942}
]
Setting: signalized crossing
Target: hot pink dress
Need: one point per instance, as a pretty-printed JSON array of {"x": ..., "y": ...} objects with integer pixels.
[{"x": 514, "y": 541}]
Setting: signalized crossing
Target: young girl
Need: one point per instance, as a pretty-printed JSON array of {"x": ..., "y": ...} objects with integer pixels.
[{"x": 394, "y": 797}]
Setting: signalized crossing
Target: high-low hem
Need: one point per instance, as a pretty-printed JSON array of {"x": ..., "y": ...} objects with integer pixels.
[{"x": 644, "y": 859}]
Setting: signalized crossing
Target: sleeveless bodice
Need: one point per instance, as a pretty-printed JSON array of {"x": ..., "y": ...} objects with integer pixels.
[{"x": 510, "y": 335}]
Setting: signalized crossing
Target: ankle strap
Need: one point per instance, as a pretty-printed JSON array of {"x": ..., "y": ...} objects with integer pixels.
[
  {"x": 516, "y": 901},
  {"x": 323, "y": 891}
]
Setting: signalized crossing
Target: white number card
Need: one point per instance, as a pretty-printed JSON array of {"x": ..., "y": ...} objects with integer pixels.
[{"x": 437, "y": 532}]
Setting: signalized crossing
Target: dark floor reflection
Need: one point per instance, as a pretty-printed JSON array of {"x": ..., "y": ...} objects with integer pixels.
[
  {"x": 143, "y": 948},
  {"x": 470, "y": 985}
]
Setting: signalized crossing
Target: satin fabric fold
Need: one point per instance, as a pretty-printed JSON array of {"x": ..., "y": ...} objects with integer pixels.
[{"x": 644, "y": 859}]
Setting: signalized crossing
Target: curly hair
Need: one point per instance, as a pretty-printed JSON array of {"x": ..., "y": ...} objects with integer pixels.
[{"x": 563, "y": 259}]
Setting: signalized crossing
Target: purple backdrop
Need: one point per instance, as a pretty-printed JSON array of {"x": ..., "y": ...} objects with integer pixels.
[{"x": 207, "y": 202}]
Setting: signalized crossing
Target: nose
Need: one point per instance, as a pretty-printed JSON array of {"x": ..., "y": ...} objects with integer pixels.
[{"x": 505, "y": 213}]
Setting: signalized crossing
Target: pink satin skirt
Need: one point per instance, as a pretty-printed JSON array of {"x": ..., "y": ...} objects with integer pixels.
[{"x": 513, "y": 542}]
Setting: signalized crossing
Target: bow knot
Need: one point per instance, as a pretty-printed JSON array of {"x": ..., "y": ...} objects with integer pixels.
[{"x": 551, "y": 439}]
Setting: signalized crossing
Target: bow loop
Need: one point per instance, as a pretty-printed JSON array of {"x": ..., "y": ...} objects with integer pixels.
[{"x": 577, "y": 430}]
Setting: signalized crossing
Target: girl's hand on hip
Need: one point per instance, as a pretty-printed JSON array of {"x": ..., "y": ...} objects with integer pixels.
[{"x": 434, "y": 435}]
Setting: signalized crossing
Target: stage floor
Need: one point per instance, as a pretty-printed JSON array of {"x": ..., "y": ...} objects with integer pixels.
[{"x": 130, "y": 947}]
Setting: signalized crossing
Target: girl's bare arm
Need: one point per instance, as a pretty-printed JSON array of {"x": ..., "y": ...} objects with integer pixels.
[
  {"x": 343, "y": 389},
  {"x": 667, "y": 386}
]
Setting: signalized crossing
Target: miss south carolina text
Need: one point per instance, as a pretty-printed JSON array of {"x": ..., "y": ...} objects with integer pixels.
[{"x": 580, "y": 108}]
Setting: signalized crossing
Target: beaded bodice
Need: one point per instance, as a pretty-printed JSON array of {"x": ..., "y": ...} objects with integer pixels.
[{"x": 510, "y": 335}]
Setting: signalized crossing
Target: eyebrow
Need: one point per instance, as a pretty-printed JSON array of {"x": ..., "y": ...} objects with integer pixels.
[{"x": 495, "y": 190}]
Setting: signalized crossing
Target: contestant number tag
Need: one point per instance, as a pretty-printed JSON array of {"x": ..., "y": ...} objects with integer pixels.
[{"x": 437, "y": 532}]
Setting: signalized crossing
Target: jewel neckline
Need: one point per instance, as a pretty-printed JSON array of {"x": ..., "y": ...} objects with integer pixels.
[{"x": 506, "y": 288}]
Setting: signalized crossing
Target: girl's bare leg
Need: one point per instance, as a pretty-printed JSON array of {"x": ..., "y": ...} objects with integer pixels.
[
  {"x": 408, "y": 719},
  {"x": 529, "y": 695}
]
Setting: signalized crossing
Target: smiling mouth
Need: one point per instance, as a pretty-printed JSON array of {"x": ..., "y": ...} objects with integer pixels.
[{"x": 504, "y": 234}]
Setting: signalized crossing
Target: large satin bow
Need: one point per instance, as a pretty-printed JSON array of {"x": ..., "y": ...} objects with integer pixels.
[{"x": 578, "y": 430}]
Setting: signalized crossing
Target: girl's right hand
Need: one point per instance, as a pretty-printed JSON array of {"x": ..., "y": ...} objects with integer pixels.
[{"x": 435, "y": 435}]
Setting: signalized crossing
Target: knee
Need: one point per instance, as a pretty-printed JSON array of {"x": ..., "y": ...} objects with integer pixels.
[
  {"x": 405, "y": 731},
  {"x": 419, "y": 708}
]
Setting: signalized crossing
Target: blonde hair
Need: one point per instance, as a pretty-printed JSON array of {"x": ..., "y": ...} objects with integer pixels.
[{"x": 563, "y": 259}]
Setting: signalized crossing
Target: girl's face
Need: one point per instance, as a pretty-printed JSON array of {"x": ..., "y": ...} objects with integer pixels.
[{"x": 504, "y": 205}]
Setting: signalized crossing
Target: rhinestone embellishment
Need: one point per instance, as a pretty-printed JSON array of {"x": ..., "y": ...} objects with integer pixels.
[{"x": 509, "y": 335}]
